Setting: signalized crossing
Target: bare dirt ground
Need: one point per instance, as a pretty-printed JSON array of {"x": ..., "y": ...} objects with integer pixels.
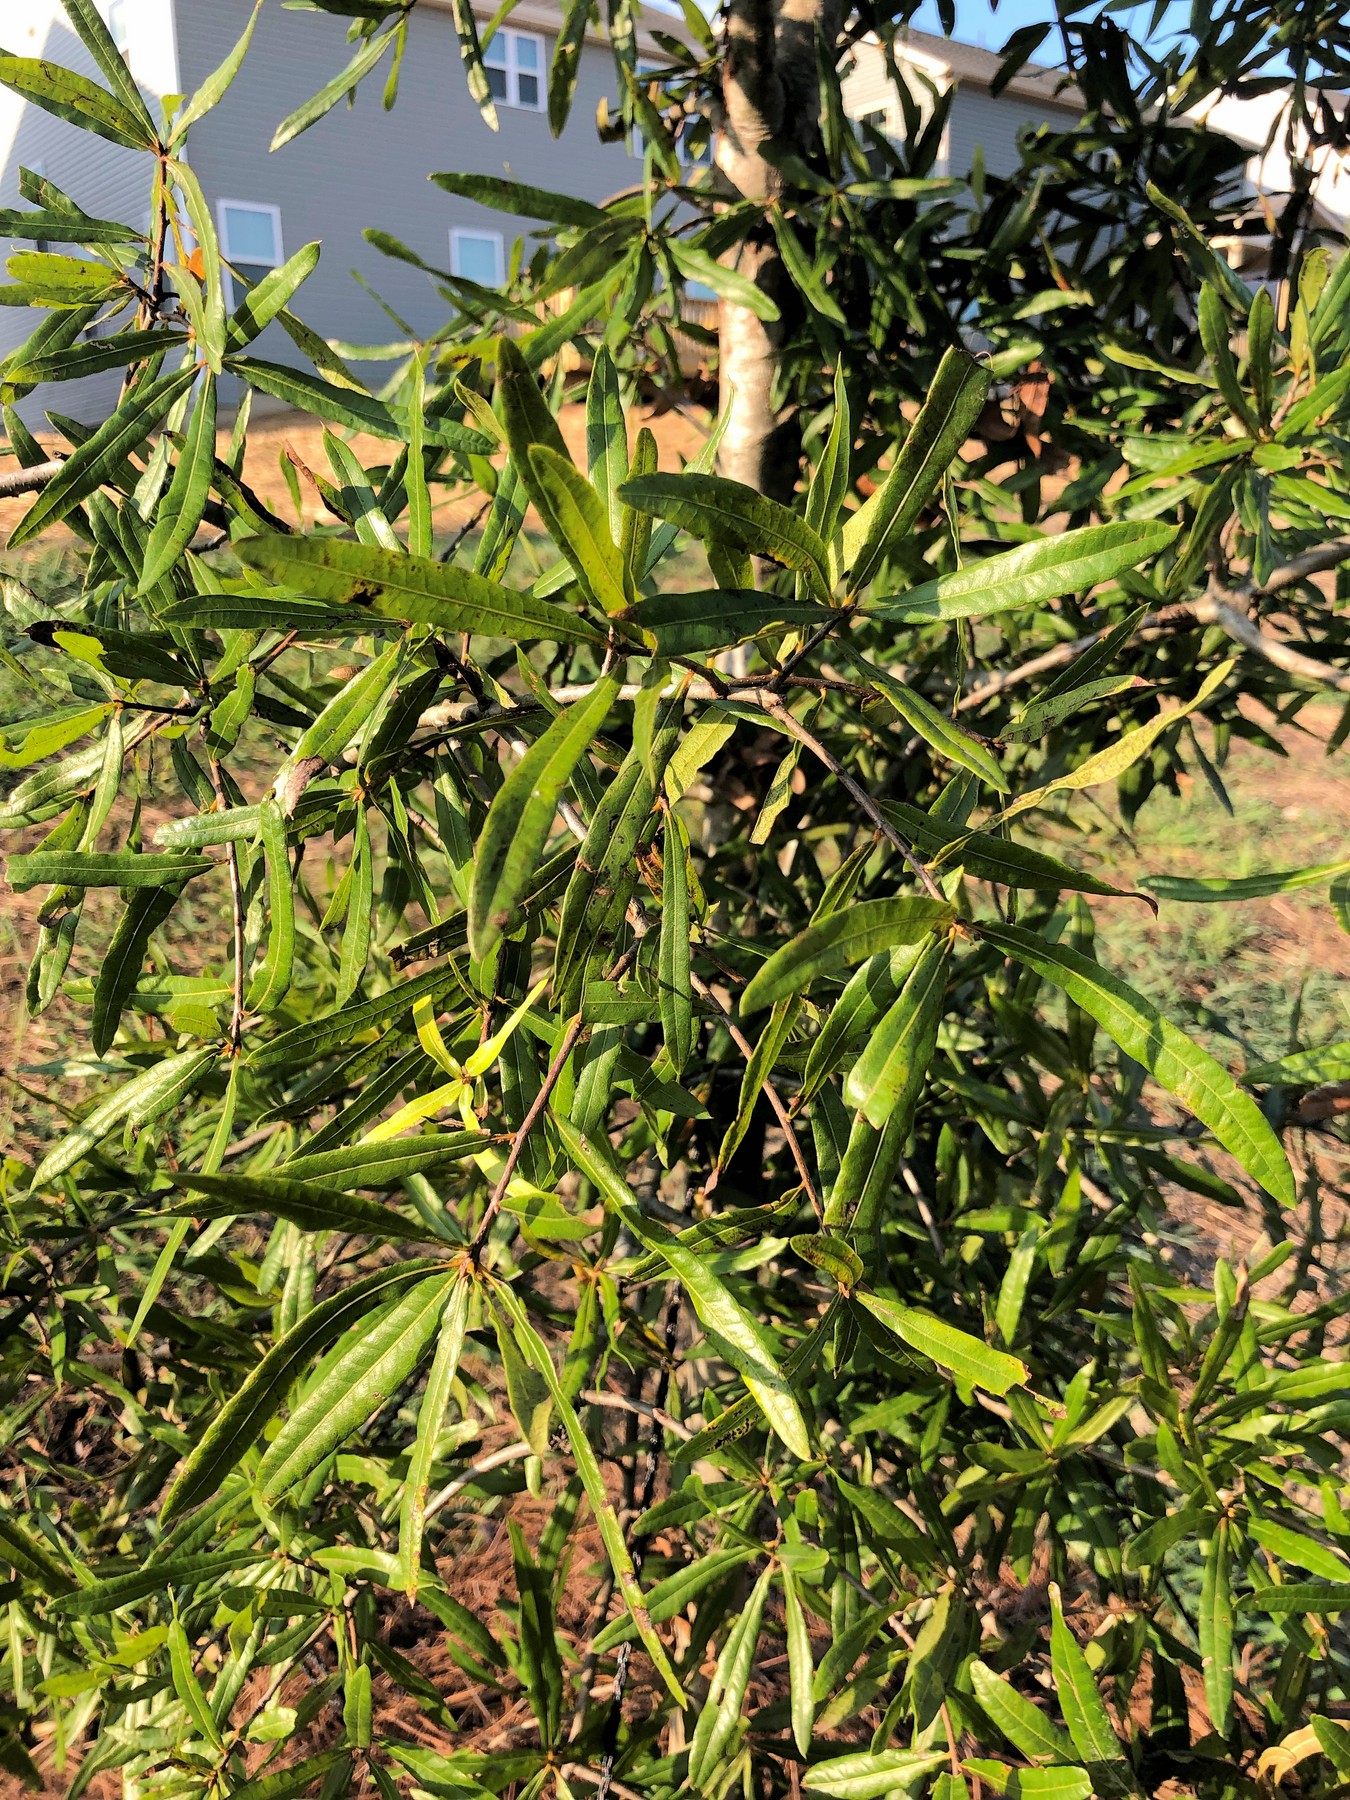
[{"x": 272, "y": 435}]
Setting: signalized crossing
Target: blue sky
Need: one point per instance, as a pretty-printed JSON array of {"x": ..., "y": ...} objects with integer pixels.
[{"x": 978, "y": 23}]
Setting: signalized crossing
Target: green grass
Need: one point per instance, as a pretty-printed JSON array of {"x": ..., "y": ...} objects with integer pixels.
[{"x": 1267, "y": 975}]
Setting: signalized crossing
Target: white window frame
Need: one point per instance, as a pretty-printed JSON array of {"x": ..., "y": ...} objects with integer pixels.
[
  {"x": 509, "y": 38},
  {"x": 257, "y": 206},
  {"x": 685, "y": 157},
  {"x": 459, "y": 232}
]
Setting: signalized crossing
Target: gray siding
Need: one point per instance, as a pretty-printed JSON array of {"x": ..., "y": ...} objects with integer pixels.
[
  {"x": 103, "y": 178},
  {"x": 367, "y": 167},
  {"x": 995, "y": 123}
]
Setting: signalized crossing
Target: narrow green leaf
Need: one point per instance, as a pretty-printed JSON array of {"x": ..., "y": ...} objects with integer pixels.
[
  {"x": 272, "y": 982},
  {"x": 593, "y": 1480},
  {"x": 211, "y": 324},
  {"x": 140, "y": 1101},
  {"x": 577, "y": 522},
  {"x": 672, "y": 1595},
  {"x": 1023, "y": 1724},
  {"x": 946, "y": 737},
  {"x": 830, "y": 477},
  {"x": 521, "y": 816},
  {"x": 1109, "y": 764},
  {"x": 1084, "y": 1710},
  {"x": 351, "y": 406},
  {"x": 53, "y": 226},
  {"x": 188, "y": 1688},
  {"x": 77, "y": 100},
  {"x": 430, "y": 1418},
  {"x": 606, "y": 439},
  {"x": 269, "y": 297},
  {"x": 318, "y": 105},
  {"x": 217, "y": 84},
  {"x": 726, "y": 281},
  {"x": 307, "y": 1204},
  {"x": 518, "y": 198},
  {"x": 990, "y": 858},
  {"x": 180, "y": 511},
  {"x": 801, "y": 1669},
  {"x": 738, "y": 1335},
  {"x": 1202, "y": 1085},
  {"x": 101, "y": 456},
  {"x": 970, "y": 1360},
  {"x": 1029, "y": 575},
  {"x": 109, "y": 1593},
  {"x": 935, "y": 439},
  {"x": 1208, "y": 890},
  {"x": 1215, "y": 1626},
  {"x": 870, "y": 1774},
  {"x": 355, "y": 1384},
  {"x": 1316, "y": 1597},
  {"x": 692, "y": 623},
  {"x": 120, "y": 970},
  {"x": 1305, "y": 1068},
  {"x": 719, "y": 510},
  {"x": 244, "y": 1417},
  {"x": 75, "y": 361},
  {"x": 720, "y": 1715},
  {"x": 845, "y": 937},
  {"x": 413, "y": 589},
  {"x": 891, "y": 1069},
  {"x": 673, "y": 968}
]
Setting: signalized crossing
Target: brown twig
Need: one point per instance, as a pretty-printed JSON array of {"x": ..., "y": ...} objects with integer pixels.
[
  {"x": 497, "y": 1460},
  {"x": 1308, "y": 562},
  {"x": 775, "y": 1099},
  {"x": 794, "y": 728},
  {"x": 622, "y": 1403},
  {"x": 527, "y": 1125},
  {"x": 537, "y": 1108},
  {"x": 237, "y": 906}
]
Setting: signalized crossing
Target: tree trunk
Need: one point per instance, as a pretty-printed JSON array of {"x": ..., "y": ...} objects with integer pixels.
[{"x": 770, "y": 90}]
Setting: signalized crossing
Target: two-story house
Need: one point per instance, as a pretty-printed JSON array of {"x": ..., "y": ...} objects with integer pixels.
[
  {"x": 981, "y": 123},
  {"x": 993, "y": 125},
  {"x": 361, "y": 166}
]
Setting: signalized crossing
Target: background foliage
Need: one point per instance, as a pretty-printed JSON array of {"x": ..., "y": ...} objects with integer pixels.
[{"x": 552, "y": 1280}]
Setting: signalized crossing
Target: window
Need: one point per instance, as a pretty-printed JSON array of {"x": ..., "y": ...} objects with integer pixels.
[
  {"x": 693, "y": 135},
  {"x": 250, "y": 240},
  {"x": 115, "y": 17},
  {"x": 477, "y": 256},
  {"x": 514, "y": 61}
]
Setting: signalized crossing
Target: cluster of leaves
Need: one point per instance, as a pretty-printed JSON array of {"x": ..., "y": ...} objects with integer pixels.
[{"x": 784, "y": 1199}]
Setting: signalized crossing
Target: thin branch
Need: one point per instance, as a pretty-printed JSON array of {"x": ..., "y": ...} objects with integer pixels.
[
  {"x": 1062, "y": 654},
  {"x": 621, "y": 1403},
  {"x": 527, "y": 1125},
  {"x": 1216, "y": 608},
  {"x": 747, "y": 1050},
  {"x": 29, "y": 481},
  {"x": 579, "y": 1772},
  {"x": 497, "y": 1460},
  {"x": 1310, "y": 562},
  {"x": 537, "y": 1109},
  {"x": 794, "y": 728}
]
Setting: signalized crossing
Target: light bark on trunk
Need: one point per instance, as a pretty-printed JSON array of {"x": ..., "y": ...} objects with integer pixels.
[{"x": 770, "y": 91}]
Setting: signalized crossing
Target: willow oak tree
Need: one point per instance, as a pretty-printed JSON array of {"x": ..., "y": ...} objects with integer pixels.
[
  {"x": 829, "y": 241},
  {"x": 418, "y": 1022}
]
